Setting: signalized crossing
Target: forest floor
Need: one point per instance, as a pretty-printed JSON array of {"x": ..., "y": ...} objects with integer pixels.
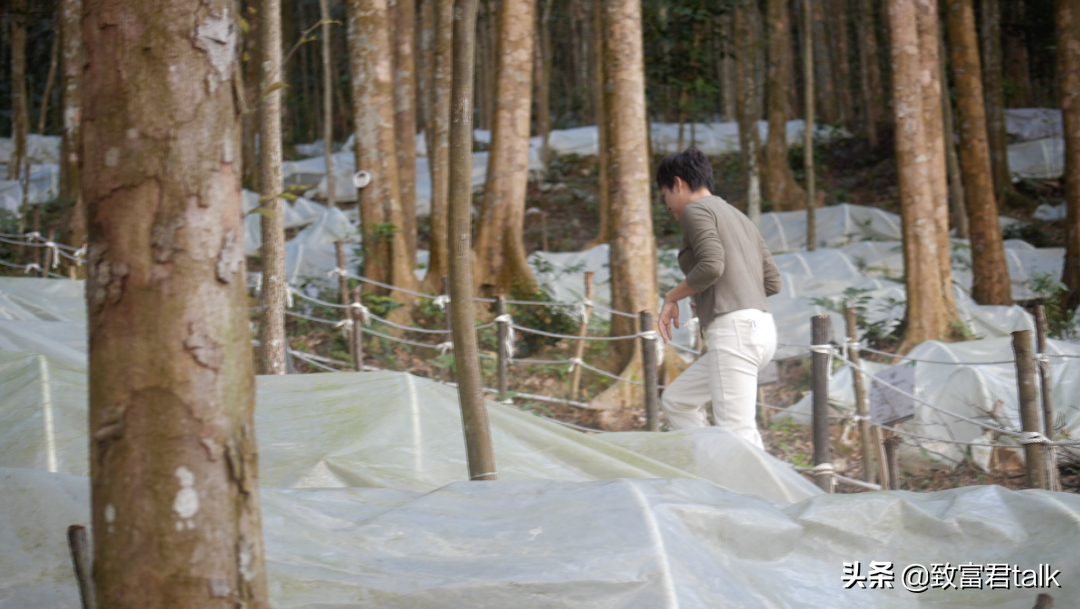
[{"x": 848, "y": 171}]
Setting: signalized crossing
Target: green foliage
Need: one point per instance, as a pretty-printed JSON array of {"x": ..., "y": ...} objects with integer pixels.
[
  {"x": 1054, "y": 294},
  {"x": 379, "y": 305},
  {"x": 559, "y": 320},
  {"x": 859, "y": 299}
]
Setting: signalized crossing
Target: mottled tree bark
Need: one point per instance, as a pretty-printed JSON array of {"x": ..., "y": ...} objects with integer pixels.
[
  {"x": 173, "y": 466},
  {"x": 20, "y": 112},
  {"x": 439, "y": 149},
  {"x": 603, "y": 177},
  {"x": 872, "y": 88},
  {"x": 990, "y": 13},
  {"x": 500, "y": 250},
  {"x": 828, "y": 96},
  {"x": 1067, "y": 20},
  {"x": 386, "y": 255},
  {"x": 931, "y": 83},
  {"x": 633, "y": 248},
  {"x": 991, "y": 272},
  {"x": 748, "y": 102},
  {"x": 927, "y": 314},
  {"x": 73, "y": 57},
  {"x": 273, "y": 342},
  {"x": 542, "y": 74},
  {"x": 403, "y": 13},
  {"x": 780, "y": 187}
]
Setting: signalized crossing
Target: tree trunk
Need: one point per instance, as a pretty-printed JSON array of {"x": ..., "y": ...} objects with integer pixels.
[
  {"x": 991, "y": 272},
  {"x": 500, "y": 251},
  {"x": 73, "y": 59},
  {"x": 404, "y": 25},
  {"x": 250, "y": 121},
  {"x": 828, "y": 97},
  {"x": 780, "y": 187},
  {"x": 839, "y": 37},
  {"x": 1017, "y": 65},
  {"x": 633, "y": 249},
  {"x": 173, "y": 467},
  {"x": 727, "y": 78},
  {"x": 20, "y": 113},
  {"x": 811, "y": 121},
  {"x": 542, "y": 71},
  {"x": 931, "y": 85},
  {"x": 870, "y": 73},
  {"x": 603, "y": 174},
  {"x": 274, "y": 285},
  {"x": 1067, "y": 20},
  {"x": 386, "y": 255},
  {"x": 474, "y": 417},
  {"x": 995, "y": 96},
  {"x": 328, "y": 101},
  {"x": 747, "y": 98},
  {"x": 439, "y": 150},
  {"x": 928, "y": 317},
  {"x": 54, "y": 60}
]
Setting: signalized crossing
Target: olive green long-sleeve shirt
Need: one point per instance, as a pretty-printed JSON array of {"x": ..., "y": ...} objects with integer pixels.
[{"x": 725, "y": 260}]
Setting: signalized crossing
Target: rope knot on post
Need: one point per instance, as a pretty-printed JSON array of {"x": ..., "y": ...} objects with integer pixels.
[
  {"x": 821, "y": 469},
  {"x": 441, "y": 301},
  {"x": 574, "y": 363},
  {"x": 55, "y": 254},
  {"x": 1033, "y": 437},
  {"x": 33, "y": 266},
  {"x": 445, "y": 347},
  {"x": 365, "y": 313},
  {"x": 338, "y": 272},
  {"x": 508, "y": 341}
]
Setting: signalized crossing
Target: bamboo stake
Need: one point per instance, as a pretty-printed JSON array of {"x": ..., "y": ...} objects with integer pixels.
[
  {"x": 648, "y": 360},
  {"x": 503, "y": 349},
  {"x": 328, "y": 108},
  {"x": 357, "y": 343},
  {"x": 1034, "y": 453},
  {"x": 54, "y": 60},
  {"x": 79, "y": 546},
  {"x": 1045, "y": 380},
  {"x": 870, "y": 443},
  {"x": 579, "y": 348},
  {"x": 822, "y": 450},
  {"x": 481, "y": 456},
  {"x": 343, "y": 280}
]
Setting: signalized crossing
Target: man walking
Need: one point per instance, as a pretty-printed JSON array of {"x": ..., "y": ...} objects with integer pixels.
[{"x": 729, "y": 273}]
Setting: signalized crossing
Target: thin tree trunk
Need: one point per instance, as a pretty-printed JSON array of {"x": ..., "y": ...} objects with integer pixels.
[
  {"x": 274, "y": 285},
  {"x": 811, "y": 120},
  {"x": 439, "y": 151},
  {"x": 386, "y": 255},
  {"x": 251, "y": 77},
  {"x": 839, "y": 37},
  {"x": 932, "y": 83},
  {"x": 173, "y": 466},
  {"x": 780, "y": 187},
  {"x": 927, "y": 315},
  {"x": 20, "y": 113},
  {"x": 990, "y": 12},
  {"x": 481, "y": 457},
  {"x": 991, "y": 272},
  {"x": 825, "y": 70},
  {"x": 1017, "y": 65},
  {"x": 542, "y": 54},
  {"x": 54, "y": 59},
  {"x": 633, "y": 248},
  {"x": 328, "y": 101},
  {"x": 1067, "y": 20},
  {"x": 73, "y": 59},
  {"x": 603, "y": 177},
  {"x": 747, "y": 98},
  {"x": 727, "y": 74},
  {"x": 500, "y": 250},
  {"x": 404, "y": 16},
  {"x": 870, "y": 73},
  {"x": 957, "y": 209}
]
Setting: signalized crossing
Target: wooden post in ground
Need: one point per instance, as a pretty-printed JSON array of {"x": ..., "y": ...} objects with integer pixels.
[
  {"x": 481, "y": 456},
  {"x": 579, "y": 348},
  {"x": 1034, "y": 453},
  {"x": 892, "y": 460},
  {"x": 343, "y": 280},
  {"x": 356, "y": 344},
  {"x": 35, "y": 226},
  {"x": 648, "y": 360},
  {"x": 446, "y": 308},
  {"x": 80, "y": 559},
  {"x": 819, "y": 332},
  {"x": 871, "y": 443},
  {"x": 51, "y": 255},
  {"x": 1045, "y": 380},
  {"x": 503, "y": 347}
]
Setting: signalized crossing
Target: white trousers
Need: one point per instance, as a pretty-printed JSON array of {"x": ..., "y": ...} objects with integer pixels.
[{"x": 740, "y": 344}]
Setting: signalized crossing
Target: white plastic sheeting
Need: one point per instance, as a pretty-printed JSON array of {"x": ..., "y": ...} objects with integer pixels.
[
  {"x": 1039, "y": 159},
  {"x": 44, "y": 186},
  {"x": 1026, "y": 124},
  {"x": 39, "y": 148},
  {"x": 968, "y": 387}
]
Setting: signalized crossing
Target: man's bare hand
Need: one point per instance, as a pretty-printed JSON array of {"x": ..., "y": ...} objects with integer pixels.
[{"x": 668, "y": 313}]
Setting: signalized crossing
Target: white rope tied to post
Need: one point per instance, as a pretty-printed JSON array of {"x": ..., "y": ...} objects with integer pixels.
[
  {"x": 1042, "y": 358},
  {"x": 1034, "y": 437},
  {"x": 31, "y": 236},
  {"x": 508, "y": 344},
  {"x": 445, "y": 347},
  {"x": 583, "y": 309},
  {"x": 33, "y": 266},
  {"x": 338, "y": 272},
  {"x": 55, "y": 257},
  {"x": 365, "y": 313},
  {"x": 658, "y": 344},
  {"x": 441, "y": 301},
  {"x": 288, "y": 296},
  {"x": 829, "y": 350},
  {"x": 575, "y": 361},
  {"x": 820, "y": 469},
  {"x": 346, "y": 324}
]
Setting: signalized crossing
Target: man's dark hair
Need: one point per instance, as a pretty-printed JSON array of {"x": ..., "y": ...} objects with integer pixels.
[{"x": 691, "y": 165}]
